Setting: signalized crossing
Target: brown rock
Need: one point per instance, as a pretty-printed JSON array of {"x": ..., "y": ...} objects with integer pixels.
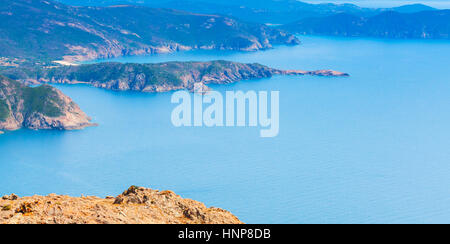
[
  {"x": 136, "y": 205},
  {"x": 11, "y": 197}
]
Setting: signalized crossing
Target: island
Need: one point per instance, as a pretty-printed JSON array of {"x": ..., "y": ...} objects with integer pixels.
[
  {"x": 43, "y": 107},
  {"x": 156, "y": 77},
  {"x": 136, "y": 205}
]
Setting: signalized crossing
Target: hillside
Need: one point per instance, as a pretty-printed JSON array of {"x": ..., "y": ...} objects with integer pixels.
[
  {"x": 42, "y": 107},
  {"x": 423, "y": 25},
  {"x": 258, "y": 11},
  {"x": 137, "y": 205},
  {"x": 411, "y": 8},
  {"x": 46, "y": 30},
  {"x": 157, "y": 77}
]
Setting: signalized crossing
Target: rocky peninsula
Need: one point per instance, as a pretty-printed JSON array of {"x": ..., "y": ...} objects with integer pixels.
[
  {"x": 156, "y": 77},
  {"x": 42, "y": 107},
  {"x": 45, "y": 107},
  {"x": 137, "y": 205}
]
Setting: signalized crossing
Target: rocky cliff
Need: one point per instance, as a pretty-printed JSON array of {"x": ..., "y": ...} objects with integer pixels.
[
  {"x": 42, "y": 107},
  {"x": 136, "y": 205},
  {"x": 158, "y": 77}
]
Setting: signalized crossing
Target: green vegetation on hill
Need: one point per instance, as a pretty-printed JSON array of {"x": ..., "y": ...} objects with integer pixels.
[
  {"x": 4, "y": 110},
  {"x": 137, "y": 75},
  {"x": 144, "y": 77},
  {"x": 44, "y": 30},
  {"x": 38, "y": 108},
  {"x": 147, "y": 74},
  {"x": 260, "y": 11},
  {"x": 42, "y": 99}
]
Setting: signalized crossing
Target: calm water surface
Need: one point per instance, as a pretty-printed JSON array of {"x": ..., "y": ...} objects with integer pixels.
[{"x": 366, "y": 149}]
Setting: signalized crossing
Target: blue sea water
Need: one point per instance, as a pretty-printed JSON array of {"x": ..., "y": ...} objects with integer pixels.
[{"x": 372, "y": 148}]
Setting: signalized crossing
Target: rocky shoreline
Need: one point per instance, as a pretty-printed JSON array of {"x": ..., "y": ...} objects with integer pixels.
[
  {"x": 158, "y": 77},
  {"x": 137, "y": 205},
  {"x": 46, "y": 107},
  {"x": 38, "y": 108},
  {"x": 116, "y": 51}
]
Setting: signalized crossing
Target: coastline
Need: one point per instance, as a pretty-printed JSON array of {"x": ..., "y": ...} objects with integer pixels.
[
  {"x": 162, "y": 77},
  {"x": 91, "y": 55}
]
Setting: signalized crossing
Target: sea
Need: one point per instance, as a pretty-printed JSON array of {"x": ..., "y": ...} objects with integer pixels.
[{"x": 370, "y": 148}]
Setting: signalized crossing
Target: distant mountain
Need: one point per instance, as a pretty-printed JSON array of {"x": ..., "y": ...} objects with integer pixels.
[
  {"x": 158, "y": 77},
  {"x": 42, "y": 107},
  {"x": 411, "y": 8},
  {"x": 424, "y": 25},
  {"x": 261, "y": 11},
  {"x": 47, "y": 30}
]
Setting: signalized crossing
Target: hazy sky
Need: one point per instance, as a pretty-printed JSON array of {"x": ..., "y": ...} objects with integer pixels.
[{"x": 387, "y": 3}]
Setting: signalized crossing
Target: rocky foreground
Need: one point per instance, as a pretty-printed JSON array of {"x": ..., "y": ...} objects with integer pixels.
[{"x": 137, "y": 205}]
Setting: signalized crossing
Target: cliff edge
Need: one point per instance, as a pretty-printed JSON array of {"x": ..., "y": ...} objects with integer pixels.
[
  {"x": 137, "y": 205},
  {"x": 36, "y": 108}
]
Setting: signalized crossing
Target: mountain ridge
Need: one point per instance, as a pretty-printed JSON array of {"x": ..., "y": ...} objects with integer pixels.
[
  {"x": 421, "y": 25},
  {"x": 259, "y": 11},
  {"x": 44, "y": 31}
]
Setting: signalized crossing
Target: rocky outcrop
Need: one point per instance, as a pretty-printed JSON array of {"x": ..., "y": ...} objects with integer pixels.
[
  {"x": 330, "y": 73},
  {"x": 137, "y": 205},
  {"x": 38, "y": 108},
  {"x": 158, "y": 77}
]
